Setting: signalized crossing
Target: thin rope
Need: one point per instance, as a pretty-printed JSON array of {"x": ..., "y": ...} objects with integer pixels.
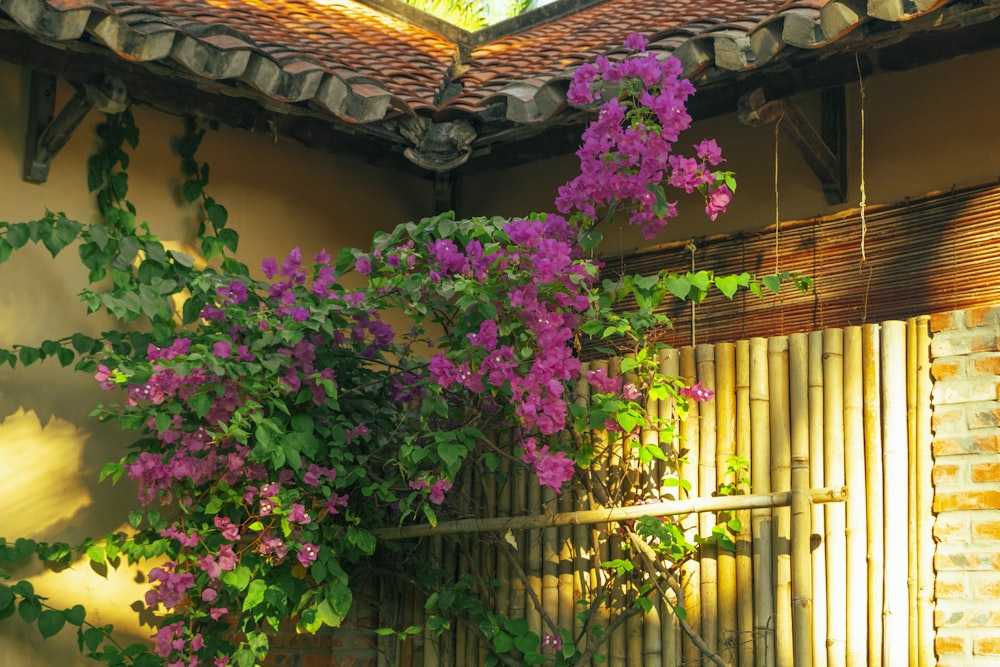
[
  {"x": 692, "y": 248},
  {"x": 777, "y": 216},
  {"x": 863, "y": 265}
]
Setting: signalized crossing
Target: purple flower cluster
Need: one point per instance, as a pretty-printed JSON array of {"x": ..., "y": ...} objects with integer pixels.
[{"x": 627, "y": 152}]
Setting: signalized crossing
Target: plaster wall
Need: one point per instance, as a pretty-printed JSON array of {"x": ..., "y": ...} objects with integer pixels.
[
  {"x": 278, "y": 195},
  {"x": 926, "y": 130}
]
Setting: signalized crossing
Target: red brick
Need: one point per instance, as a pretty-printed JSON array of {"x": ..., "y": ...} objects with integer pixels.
[
  {"x": 985, "y": 365},
  {"x": 949, "y": 585},
  {"x": 945, "y": 473},
  {"x": 985, "y": 418},
  {"x": 946, "y": 420},
  {"x": 944, "y": 370},
  {"x": 986, "y": 472},
  {"x": 949, "y": 645},
  {"x": 981, "y": 561},
  {"x": 986, "y": 530},
  {"x": 986, "y": 646},
  {"x": 982, "y": 315},
  {"x": 973, "y": 500},
  {"x": 986, "y": 586},
  {"x": 957, "y": 344},
  {"x": 942, "y": 321}
]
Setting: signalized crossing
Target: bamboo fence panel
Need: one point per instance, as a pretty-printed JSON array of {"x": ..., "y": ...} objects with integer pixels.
[
  {"x": 801, "y": 506},
  {"x": 725, "y": 449},
  {"x": 925, "y": 494},
  {"x": 836, "y": 552},
  {"x": 895, "y": 643},
  {"x": 744, "y": 541},
  {"x": 817, "y": 478},
  {"x": 781, "y": 480},
  {"x": 856, "y": 583},
  {"x": 871, "y": 358},
  {"x": 811, "y": 412}
]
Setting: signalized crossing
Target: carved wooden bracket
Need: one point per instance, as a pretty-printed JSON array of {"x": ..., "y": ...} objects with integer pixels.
[
  {"x": 48, "y": 132},
  {"x": 825, "y": 151}
]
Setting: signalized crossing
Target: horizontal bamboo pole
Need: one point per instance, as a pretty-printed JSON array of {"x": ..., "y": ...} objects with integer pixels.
[{"x": 665, "y": 508}]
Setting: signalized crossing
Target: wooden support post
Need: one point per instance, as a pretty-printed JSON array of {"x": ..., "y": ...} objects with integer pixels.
[
  {"x": 825, "y": 151},
  {"x": 48, "y": 132}
]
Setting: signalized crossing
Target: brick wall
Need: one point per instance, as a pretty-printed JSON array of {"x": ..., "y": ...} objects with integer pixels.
[{"x": 965, "y": 356}]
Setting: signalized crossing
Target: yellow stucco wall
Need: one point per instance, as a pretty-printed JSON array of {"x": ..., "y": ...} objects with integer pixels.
[
  {"x": 278, "y": 195},
  {"x": 925, "y": 130}
]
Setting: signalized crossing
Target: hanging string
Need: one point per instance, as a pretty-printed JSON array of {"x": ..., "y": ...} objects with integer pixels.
[
  {"x": 863, "y": 263},
  {"x": 777, "y": 216},
  {"x": 692, "y": 248}
]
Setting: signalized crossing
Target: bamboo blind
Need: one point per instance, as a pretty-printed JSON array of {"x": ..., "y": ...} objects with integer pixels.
[
  {"x": 923, "y": 256},
  {"x": 808, "y": 584}
]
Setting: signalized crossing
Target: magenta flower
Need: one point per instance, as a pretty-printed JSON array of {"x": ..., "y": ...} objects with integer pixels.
[
  {"x": 438, "y": 489},
  {"x": 551, "y": 641},
  {"x": 103, "y": 375},
  {"x": 297, "y": 514},
  {"x": 222, "y": 349},
  {"x": 717, "y": 201},
  {"x": 307, "y": 554},
  {"x": 636, "y": 42},
  {"x": 216, "y": 613},
  {"x": 697, "y": 393}
]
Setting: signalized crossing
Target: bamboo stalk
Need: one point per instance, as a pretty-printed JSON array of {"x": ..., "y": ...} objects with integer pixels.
[
  {"x": 535, "y": 552},
  {"x": 801, "y": 507},
  {"x": 669, "y": 361},
  {"x": 707, "y": 485},
  {"x": 612, "y": 514},
  {"x": 836, "y": 520},
  {"x": 910, "y": 366},
  {"x": 635, "y": 488},
  {"x": 744, "y": 541},
  {"x": 725, "y": 415},
  {"x": 873, "y": 490},
  {"x": 449, "y": 638},
  {"x": 504, "y": 573},
  {"x": 519, "y": 496},
  {"x": 817, "y": 472},
  {"x": 432, "y": 641},
  {"x": 856, "y": 583},
  {"x": 925, "y": 496},
  {"x": 761, "y": 520},
  {"x": 581, "y": 547},
  {"x": 690, "y": 434},
  {"x": 781, "y": 471},
  {"x": 895, "y": 643},
  {"x": 617, "y": 473},
  {"x": 600, "y": 535},
  {"x": 652, "y": 634},
  {"x": 550, "y": 565}
]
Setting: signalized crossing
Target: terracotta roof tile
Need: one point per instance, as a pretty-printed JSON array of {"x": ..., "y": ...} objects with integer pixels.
[{"x": 362, "y": 65}]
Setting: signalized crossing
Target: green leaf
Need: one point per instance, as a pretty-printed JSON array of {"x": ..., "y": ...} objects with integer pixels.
[
  {"x": 678, "y": 286},
  {"x": 590, "y": 239},
  {"x": 191, "y": 190},
  {"x": 6, "y": 596},
  {"x": 245, "y": 658},
  {"x": 502, "y": 642},
  {"x": 5, "y": 250},
  {"x": 217, "y": 215},
  {"x": 76, "y": 615},
  {"x": 92, "y": 638},
  {"x": 526, "y": 643},
  {"x": 727, "y": 285},
  {"x": 18, "y": 234},
  {"x": 95, "y": 553},
  {"x": 29, "y": 610},
  {"x": 28, "y": 355},
  {"x": 255, "y": 594},
  {"x": 50, "y": 622},
  {"x": 772, "y": 283}
]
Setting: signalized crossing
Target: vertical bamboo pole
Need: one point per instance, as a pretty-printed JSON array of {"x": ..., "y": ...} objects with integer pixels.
[
  {"x": 535, "y": 558},
  {"x": 856, "y": 583},
  {"x": 652, "y": 637},
  {"x": 448, "y": 654},
  {"x": 504, "y": 572},
  {"x": 519, "y": 500},
  {"x": 618, "y": 482},
  {"x": 669, "y": 626},
  {"x": 432, "y": 640},
  {"x": 744, "y": 542},
  {"x": 707, "y": 484},
  {"x": 725, "y": 415},
  {"x": 817, "y": 479},
  {"x": 634, "y": 492},
  {"x": 925, "y": 495},
  {"x": 690, "y": 435},
  {"x": 567, "y": 555},
  {"x": 458, "y": 630},
  {"x": 582, "y": 553},
  {"x": 910, "y": 364},
  {"x": 895, "y": 643},
  {"x": 781, "y": 471},
  {"x": 836, "y": 548},
  {"x": 600, "y": 533},
  {"x": 870, "y": 353},
  {"x": 550, "y": 564},
  {"x": 761, "y": 520},
  {"x": 801, "y": 508}
]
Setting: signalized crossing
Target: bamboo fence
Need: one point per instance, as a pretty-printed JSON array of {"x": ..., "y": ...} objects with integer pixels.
[{"x": 811, "y": 582}]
